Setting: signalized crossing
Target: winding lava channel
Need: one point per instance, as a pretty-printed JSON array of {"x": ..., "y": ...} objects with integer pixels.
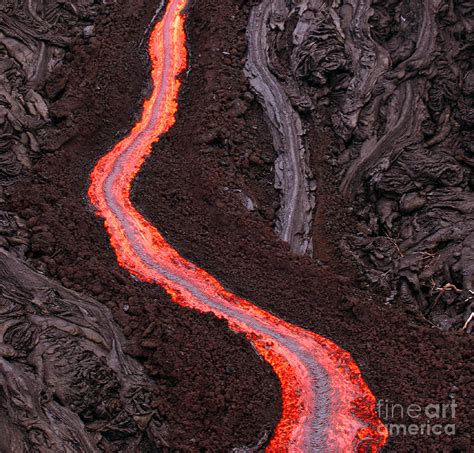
[{"x": 326, "y": 405}]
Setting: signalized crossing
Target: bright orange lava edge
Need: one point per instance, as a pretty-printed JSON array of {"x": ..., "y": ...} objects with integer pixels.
[{"x": 346, "y": 380}]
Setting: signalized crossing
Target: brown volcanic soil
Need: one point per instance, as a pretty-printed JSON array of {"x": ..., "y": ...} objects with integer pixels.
[{"x": 215, "y": 392}]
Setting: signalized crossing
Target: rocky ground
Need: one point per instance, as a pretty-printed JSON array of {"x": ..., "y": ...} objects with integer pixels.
[
  {"x": 209, "y": 188},
  {"x": 398, "y": 81}
]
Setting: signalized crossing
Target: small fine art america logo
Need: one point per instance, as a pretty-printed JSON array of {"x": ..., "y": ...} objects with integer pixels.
[{"x": 434, "y": 419}]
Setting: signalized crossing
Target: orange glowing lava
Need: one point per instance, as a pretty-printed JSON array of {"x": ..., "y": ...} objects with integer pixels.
[{"x": 327, "y": 406}]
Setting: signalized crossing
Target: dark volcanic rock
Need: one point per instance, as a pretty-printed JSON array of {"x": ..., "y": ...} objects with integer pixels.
[
  {"x": 399, "y": 84},
  {"x": 34, "y": 37},
  {"x": 66, "y": 382}
]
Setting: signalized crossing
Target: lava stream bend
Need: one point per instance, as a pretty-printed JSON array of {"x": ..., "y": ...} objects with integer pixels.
[{"x": 327, "y": 406}]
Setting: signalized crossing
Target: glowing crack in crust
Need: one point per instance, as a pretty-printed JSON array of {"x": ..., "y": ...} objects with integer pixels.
[{"x": 327, "y": 406}]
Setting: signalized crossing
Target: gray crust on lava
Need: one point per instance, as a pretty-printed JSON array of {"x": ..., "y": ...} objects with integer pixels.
[{"x": 293, "y": 177}]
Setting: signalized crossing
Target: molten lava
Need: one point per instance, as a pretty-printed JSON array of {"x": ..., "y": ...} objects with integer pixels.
[{"x": 327, "y": 406}]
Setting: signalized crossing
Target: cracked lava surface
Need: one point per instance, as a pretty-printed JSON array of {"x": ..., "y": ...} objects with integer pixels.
[{"x": 327, "y": 406}]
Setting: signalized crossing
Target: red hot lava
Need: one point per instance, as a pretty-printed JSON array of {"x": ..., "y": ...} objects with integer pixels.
[{"x": 327, "y": 406}]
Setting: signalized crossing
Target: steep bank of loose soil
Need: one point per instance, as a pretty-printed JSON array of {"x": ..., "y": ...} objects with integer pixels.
[
  {"x": 214, "y": 390},
  {"x": 216, "y": 393}
]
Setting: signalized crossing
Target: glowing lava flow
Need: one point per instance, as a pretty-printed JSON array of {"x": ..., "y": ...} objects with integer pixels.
[{"x": 326, "y": 404}]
